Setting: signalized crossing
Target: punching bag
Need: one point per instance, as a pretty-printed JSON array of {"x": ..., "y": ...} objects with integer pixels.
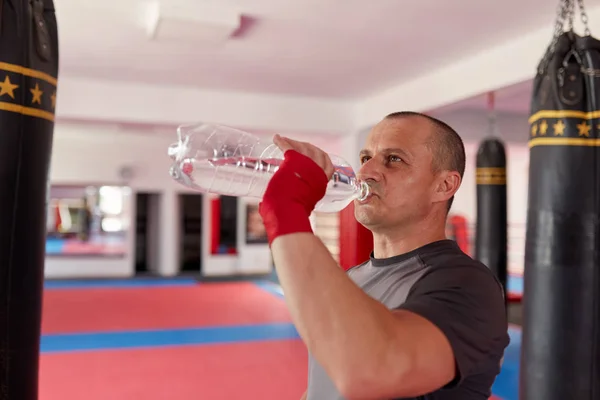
[
  {"x": 491, "y": 232},
  {"x": 561, "y": 333},
  {"x": 28, "y": 71}
]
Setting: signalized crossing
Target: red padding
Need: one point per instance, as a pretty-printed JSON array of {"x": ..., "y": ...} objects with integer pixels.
[
  {"x": 461, "y": 232},
  {"x": 215, "y": 225},
  {"x": 112, "y": 309},
  {"x": 356, "y": 241},
  {"x": 269, "y": 370},
  {"x": 514, "y": 297}
]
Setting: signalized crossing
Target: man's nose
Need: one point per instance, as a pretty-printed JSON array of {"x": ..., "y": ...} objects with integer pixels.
[{"x": 369, "y": 171}]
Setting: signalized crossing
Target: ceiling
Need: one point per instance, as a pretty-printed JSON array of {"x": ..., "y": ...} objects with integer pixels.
[
  {"x": 342, "y": 49},
  {"x": 514, "y": 99}
]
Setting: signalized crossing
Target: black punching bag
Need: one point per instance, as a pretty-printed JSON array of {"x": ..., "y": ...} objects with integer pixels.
[
  {"x": 28, "y": 71},
  {"x": 491, "y": 231},
  {"x": 561, "y": 333}
]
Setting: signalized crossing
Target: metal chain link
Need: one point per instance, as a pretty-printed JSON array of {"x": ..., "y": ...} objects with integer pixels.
[
  {"x": 562, "y": 13},
  {"x": 584, "y": 18},
  {"x": 565, "y": 13},
  {"x": 570, "y": 14}
]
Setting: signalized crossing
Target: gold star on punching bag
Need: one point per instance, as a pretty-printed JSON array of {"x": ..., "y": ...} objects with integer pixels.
[
  {"x": 534, "y": 128},
  {"x": 543, "y": 127},
  {"x": 37, "y": 94},
  {"x": 584, "y": 129},
  {"x": 559, "y": 128},
  {"x": 7, "y": 87}
]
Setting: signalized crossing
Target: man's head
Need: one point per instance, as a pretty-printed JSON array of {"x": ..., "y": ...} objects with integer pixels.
[{"x": 414, "y": 164}]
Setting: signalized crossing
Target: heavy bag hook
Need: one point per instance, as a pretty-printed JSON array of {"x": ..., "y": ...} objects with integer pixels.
[
  {"x": 570, "y": 89},
  {"x": 493, "y": 129},
  {"x": 564, "y": 14}
]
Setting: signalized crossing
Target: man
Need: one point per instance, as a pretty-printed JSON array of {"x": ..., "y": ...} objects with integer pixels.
[{"x": 420, "y": 319}]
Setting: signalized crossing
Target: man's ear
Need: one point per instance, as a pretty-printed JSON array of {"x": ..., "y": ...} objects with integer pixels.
[{"x": 448, "y": 184}]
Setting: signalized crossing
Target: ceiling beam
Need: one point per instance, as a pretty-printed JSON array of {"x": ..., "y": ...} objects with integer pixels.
[{"x": 113, "y": 101}]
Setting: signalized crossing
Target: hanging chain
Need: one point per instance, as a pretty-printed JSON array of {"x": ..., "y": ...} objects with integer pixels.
[
  {"x": 565, "y": 14},
  {"x": 569, "y": 15},
  {"x": 584, "y": 18},
  {"x": 562, "y": 13}
]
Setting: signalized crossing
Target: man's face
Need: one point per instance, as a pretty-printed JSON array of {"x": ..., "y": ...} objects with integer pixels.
[{"x": 397, "y": 164}]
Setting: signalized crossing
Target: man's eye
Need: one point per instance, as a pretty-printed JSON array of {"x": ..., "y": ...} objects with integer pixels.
[
  {"x": 395, "y": 158},
  {"x": 364, "y": 159}
]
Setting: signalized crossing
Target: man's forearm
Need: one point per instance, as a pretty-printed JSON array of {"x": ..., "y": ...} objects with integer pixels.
[{"x": 343, "y": 328}]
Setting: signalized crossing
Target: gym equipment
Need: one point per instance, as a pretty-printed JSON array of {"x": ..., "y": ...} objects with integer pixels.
[
  {"x": 560, "y": 356},
  {"x": 491, "y": 244},
  {"x": 28, "y": 71},
  {"x": 491, "y": 233}
]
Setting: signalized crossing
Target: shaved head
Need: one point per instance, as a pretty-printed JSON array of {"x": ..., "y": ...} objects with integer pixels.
[{"x": 444, "y": 142}]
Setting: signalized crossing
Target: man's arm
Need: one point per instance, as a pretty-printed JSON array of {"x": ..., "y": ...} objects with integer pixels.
[
  {"x": 304, "y": 396},
  {"x": 367, "y": 350}
]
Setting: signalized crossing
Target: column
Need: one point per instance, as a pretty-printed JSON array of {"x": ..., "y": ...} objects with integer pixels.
[{"x": 169, "y": 233}]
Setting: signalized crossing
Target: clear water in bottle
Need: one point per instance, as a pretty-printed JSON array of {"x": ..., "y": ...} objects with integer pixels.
[{"x": 222, "y": 160}]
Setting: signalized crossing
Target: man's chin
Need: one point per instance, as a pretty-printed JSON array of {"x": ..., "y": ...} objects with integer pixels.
[{"x": 364, "y": 217}]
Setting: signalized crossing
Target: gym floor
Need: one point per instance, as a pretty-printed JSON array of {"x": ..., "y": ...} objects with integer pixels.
[{"x": 180, "y": 339}]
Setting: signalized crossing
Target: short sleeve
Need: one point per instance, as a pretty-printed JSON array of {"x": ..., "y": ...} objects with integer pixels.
[{"x": 467, "y": 305}]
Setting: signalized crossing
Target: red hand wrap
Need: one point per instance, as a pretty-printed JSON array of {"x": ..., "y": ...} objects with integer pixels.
[{"x": 291, "y": 195}]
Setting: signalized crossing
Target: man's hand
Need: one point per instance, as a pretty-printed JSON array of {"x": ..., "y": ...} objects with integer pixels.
[
  {"x": 294, "y": 190},
  {"x": 320, "y": 157}
]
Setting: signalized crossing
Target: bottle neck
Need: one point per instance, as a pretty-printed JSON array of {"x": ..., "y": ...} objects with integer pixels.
[{"x": 364, "y": 190}]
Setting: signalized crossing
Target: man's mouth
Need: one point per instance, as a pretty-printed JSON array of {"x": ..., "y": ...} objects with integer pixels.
[{"x": 369, "y": 197}]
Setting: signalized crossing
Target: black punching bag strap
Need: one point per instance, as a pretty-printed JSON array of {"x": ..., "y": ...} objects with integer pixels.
[{"x": 41, "y": 36}]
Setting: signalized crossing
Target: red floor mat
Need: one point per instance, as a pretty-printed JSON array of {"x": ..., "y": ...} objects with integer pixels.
[
  {"x": 101, "y": 310},
  {"x": 264, "y": 370}
]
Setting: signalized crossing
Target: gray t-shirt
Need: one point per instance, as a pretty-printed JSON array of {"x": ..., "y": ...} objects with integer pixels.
[{"x": 458, "y": 294}]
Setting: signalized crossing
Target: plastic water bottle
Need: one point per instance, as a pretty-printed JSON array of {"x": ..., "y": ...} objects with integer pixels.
[{"x": 226, "y": 161}]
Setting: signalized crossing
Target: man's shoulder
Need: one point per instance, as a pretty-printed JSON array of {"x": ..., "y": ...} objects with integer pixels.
[
  {"x": 449, "y": 256},
  {"x": 458, "y": 268},
  {"x": 456, "y": 284},
  {"x": 361, "y": 265}
]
